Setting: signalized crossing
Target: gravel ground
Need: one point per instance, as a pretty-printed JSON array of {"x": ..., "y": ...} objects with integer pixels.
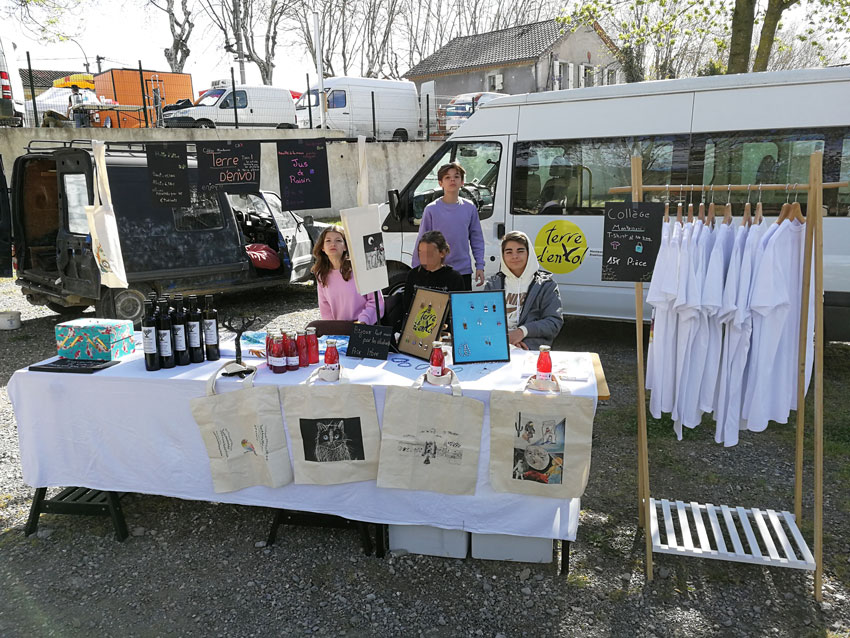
[{"x": 201, "y": 569}]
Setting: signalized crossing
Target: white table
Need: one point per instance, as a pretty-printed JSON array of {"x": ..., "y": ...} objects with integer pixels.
[{"x": 125, "y": 429}]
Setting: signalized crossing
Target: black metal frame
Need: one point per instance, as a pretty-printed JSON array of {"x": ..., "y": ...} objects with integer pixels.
[{"x": 80, "y": 501}]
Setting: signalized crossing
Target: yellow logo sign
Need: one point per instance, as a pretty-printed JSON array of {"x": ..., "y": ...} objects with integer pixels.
[
  {"x": 560, "y": 246},
  {"x": 425, "y": 321}
]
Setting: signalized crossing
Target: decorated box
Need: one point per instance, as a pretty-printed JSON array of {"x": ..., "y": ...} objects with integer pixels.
[{"x": 95, "y": 339}]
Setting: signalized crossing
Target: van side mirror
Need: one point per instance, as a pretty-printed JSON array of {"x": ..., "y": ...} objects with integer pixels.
[
  {"x": 307, "y": 220},
  {"x": 393, "y": 199}
]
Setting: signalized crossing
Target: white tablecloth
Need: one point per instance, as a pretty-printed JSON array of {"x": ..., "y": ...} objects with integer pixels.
[{"x": 129, "y": 430}]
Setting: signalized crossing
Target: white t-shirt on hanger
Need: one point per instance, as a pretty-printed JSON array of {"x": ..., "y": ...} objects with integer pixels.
[
  {"x": 657, "y": 299},
  {"x": 687, "y": 309},
  {"x": 664, "y": 395}
]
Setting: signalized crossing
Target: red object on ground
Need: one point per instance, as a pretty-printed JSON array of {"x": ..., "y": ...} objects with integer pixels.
[{"x": 262, "y": 256}]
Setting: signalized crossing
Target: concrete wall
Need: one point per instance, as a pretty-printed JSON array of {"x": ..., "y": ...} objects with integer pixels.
[{"x": 391, "y": 164}]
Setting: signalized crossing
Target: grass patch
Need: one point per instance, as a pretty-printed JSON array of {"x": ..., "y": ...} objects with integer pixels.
[{"x": 577, "y": 580}]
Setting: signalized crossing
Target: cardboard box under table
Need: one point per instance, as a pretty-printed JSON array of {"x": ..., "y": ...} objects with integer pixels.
[{"x": 95, "y": 339}]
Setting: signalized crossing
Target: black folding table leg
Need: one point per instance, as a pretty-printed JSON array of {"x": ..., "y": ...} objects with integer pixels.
[
  {"x": 565, "y": 557},
  {"x": 365, "y": 537},
  {"x": 279, "y": 517},
  {"x": 117, "y": 515},
  {"x": 380, "y": 540},
  {"x": 35, "y": 511}
]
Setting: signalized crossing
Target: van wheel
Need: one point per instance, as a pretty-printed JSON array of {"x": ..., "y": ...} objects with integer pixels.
[
  {"x": 204, "y": 124},
  {"x": 287, "y": 126},
  {"x": 400, "y": 135},
  {"x": 121, "y": 304}
]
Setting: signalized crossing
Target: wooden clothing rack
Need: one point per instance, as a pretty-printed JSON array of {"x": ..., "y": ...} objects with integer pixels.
[{"x": 776, "y": 531}]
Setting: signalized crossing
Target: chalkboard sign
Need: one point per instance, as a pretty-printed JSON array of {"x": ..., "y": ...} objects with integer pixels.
[
  {"x": 369, "y": 342},
  {"x": 302, "y": 167},
  {"x": 168, "y": 170},
  {"x": 631, "y": 238},
  {"x": 231, "y": 166}
]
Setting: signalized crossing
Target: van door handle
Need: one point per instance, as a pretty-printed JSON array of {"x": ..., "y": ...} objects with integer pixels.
[
  {"x": 345, "y": 112},
  {"x": 500, "y": 231},
  {"x": 250, "y": 110}
]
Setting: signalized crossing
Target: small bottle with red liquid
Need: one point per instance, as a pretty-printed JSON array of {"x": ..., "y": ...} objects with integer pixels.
[
  {"x": 291, "y": 351},
  {"x": 301, "y": 342},
  {"x": 331, "y": 355},
  {"x": 544, "y": 364},
  {"x": 438, "y": 359},
  {"x": 312, "y": 346},
  {"x": 276, "y": 353}
]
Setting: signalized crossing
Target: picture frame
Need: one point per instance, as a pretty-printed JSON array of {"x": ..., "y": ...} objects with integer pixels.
[
  {"x": 479, "y": 327},
  {"x": 423, "y": 322}
]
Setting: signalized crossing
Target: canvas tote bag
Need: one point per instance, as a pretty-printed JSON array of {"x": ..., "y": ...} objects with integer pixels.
[
  {"x": 540, "y": 443},
  {"x": 244, "y": 435},
  {"x": 102, "y": 226},
  {"x": 334, "y": 432},
  {"x": 430, "y": 441}
]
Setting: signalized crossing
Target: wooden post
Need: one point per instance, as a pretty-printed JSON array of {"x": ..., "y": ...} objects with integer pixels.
[
  {"x": 643, "y": 444},
  {"x": 814, "y": 213}
]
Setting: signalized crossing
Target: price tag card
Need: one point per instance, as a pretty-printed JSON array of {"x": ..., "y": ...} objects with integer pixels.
[
  {"x": 369, "y": 342},
  {"x": 630, "y": 240}
]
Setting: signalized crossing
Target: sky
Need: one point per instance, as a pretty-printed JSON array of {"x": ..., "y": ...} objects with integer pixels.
[{"x": 144, "y": 37}]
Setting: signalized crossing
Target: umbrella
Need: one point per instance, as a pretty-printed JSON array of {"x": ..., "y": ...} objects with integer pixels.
[{"x": 82, "y": 80}]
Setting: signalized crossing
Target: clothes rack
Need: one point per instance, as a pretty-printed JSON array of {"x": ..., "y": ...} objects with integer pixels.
[{"x": 776, "y": 531}]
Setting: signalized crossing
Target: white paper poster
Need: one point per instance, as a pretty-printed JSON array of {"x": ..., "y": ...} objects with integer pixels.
[{"x": 366, "y": 247}]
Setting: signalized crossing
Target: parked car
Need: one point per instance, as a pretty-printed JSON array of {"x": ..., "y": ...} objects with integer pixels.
[
  {"x": 462, "y": 106},
  {"x": 349, "y": 108},
  {"x": 257, "y": 106},
  {"x": 197, "y": 249},
  {"x": 11, "y": 87}
]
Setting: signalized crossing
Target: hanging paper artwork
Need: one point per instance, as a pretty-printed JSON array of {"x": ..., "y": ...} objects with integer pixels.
[{"x": 365, "y": 243}]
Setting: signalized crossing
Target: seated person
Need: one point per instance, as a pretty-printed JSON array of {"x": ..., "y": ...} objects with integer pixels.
[
  {"x": 432, "y": 271},
  {"x": 338, "y": 296},
  {"x": 532, "y": 299}
]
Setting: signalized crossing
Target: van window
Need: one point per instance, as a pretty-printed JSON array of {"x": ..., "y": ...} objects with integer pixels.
[
  {"x": 310, "y": 98},
  {"x": 843, "y": 203},
  {"x": 204, "y": 213},
  {"x": 77, "y": 198},
  {"x": 241, "y": 101},
  {"x": 480, "y": 160},
  {"x": 572, "y": 177},
  {"x": 336, "y": 99},
  {"x": 209, "y": 98}
]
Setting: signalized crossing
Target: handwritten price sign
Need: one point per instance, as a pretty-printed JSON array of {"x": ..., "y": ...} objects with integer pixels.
[{"x": 302, "y": 167}]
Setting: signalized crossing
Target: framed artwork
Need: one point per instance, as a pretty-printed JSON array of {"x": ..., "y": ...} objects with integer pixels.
[
  {"x": 479, "y": 327},
  {"x": 423, "y": 323}
]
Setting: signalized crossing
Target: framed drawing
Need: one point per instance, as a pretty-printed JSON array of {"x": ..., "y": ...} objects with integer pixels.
[
  {"x": 423, "y": 323},
  {"x": 479, "y": 327}
]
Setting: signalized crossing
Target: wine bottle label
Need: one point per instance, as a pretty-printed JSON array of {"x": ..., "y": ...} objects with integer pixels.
[
  {"x": 193, "y": 330},
  {"x": 292, "y": 361},
  {"x": 149, "y": 340},
  {"x": 436, "y": 371},
  {"x": 164, "y": 342},
  {"x": 544, "y": 376},
  {"x": 211, "y": 331},
  {"x": 277, "y": 361},
  {"x": 179, "y": 338}
]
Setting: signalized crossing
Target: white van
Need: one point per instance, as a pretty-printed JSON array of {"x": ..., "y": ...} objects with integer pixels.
[
  {"x": 11, "y": 87},
  {"x": 349, "y": 108},
  {"x": 462, "y": 106},
  {"x": 256, "y": 106},
  {"x": 543, "y": 163}
]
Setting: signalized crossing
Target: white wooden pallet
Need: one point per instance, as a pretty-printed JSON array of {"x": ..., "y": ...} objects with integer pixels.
[{"x": 772, "y": 537}]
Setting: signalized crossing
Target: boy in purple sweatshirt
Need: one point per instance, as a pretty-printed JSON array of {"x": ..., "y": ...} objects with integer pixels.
[{"x": 457, "y": 219}]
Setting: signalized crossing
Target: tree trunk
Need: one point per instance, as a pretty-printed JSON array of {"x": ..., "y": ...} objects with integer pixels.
[
  {"x": 741, "y": 40},
  {"x": 772, "y": 15}
]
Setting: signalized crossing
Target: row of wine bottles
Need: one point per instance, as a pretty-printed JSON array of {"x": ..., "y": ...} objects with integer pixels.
[{"x": 174, "y": 336}]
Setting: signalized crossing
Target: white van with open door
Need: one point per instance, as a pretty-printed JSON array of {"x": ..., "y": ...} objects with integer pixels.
[
  {"x": 349, "y": 108},
  {"x": 256, "y": 106},
  {"x": 543, "y": 163}
]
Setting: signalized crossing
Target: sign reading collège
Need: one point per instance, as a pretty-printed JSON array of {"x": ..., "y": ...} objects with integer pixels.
[{"x": 630, "y": 240}]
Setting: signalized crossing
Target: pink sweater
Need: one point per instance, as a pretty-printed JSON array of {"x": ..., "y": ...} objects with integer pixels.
[{"x": 340, "y": 301}]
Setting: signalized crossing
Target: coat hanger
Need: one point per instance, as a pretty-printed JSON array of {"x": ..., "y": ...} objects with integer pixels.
[
  {"x": 796, "y": 210},
  {"x": 701, "y": 213},
  {"x": 667, "y": 206},
  {"x": 727, "y": 210},
  {"x": 711, "y": 207},
  {"x": 679, "y": 210},
  {"x": 759, "y": 211},
  {"x": 786, "y": 207},
  {"x": 747, "y": 212},
  {"x": 691, "y": 205}
]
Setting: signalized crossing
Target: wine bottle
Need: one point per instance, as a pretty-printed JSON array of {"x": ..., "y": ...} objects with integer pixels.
[
  {"x": 194, "y": 335},
  {"x": 178, "y": 328},
  {"x": 149, "y": 339},
  {"x": 164, "y": 336},
  {"x": 211, "y": 330}
]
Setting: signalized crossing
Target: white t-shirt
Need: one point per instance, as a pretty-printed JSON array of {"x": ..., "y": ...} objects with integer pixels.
[
  {"x": 686, "y": 306},
  {"x": 656, "y": 298}
]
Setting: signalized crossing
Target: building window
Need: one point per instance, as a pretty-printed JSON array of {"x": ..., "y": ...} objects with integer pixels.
[
  {"x": 491, "y": 83},
  {"x": 612, "y": 76},
  {"x": 589, "y": 75}
]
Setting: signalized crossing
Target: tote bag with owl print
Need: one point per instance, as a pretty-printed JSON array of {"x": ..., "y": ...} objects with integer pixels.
[
  {"x": 431, "y": 440},
  {"x": 334, "y": 433},
  {"x": 540, "y": 443},
  {"x": 244, "y": 436}
]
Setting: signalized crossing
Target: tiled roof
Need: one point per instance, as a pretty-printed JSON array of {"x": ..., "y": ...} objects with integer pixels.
[
  {"x": 43, "y": 78},
  {"x": 494, "y": 48}
]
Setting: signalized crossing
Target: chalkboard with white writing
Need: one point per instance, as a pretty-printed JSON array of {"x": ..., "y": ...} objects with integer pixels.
[
  {"x": 230, "y": 166},
  {"x": 369, "y": 342},
  {"x": 302, "y": 167},
  {"x": 168, "y": 170},
  {"x": 630, "y": 240}
]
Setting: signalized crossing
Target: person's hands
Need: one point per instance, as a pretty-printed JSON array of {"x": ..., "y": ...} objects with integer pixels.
[
  {"x": 515, "y": 338},
  {"x": 479, "y": 277}
]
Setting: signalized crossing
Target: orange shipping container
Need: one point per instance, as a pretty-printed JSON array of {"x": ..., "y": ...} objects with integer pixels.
[{"x": 124, "y": 88}]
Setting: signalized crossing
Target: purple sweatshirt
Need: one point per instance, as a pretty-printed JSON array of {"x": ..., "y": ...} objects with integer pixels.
[
  {"x": 340, "y": 301},
  {"x": 461, "y": 227}
]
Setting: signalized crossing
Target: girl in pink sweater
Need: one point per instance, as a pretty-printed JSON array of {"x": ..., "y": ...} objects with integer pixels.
[{"x": 338, "y": 296}]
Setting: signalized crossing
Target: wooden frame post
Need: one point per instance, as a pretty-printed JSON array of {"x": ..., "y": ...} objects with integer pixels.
[{"x": 643, "y": 443}]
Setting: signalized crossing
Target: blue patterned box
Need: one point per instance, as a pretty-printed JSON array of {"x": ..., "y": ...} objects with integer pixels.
[{"x": 95, "y": 339}]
